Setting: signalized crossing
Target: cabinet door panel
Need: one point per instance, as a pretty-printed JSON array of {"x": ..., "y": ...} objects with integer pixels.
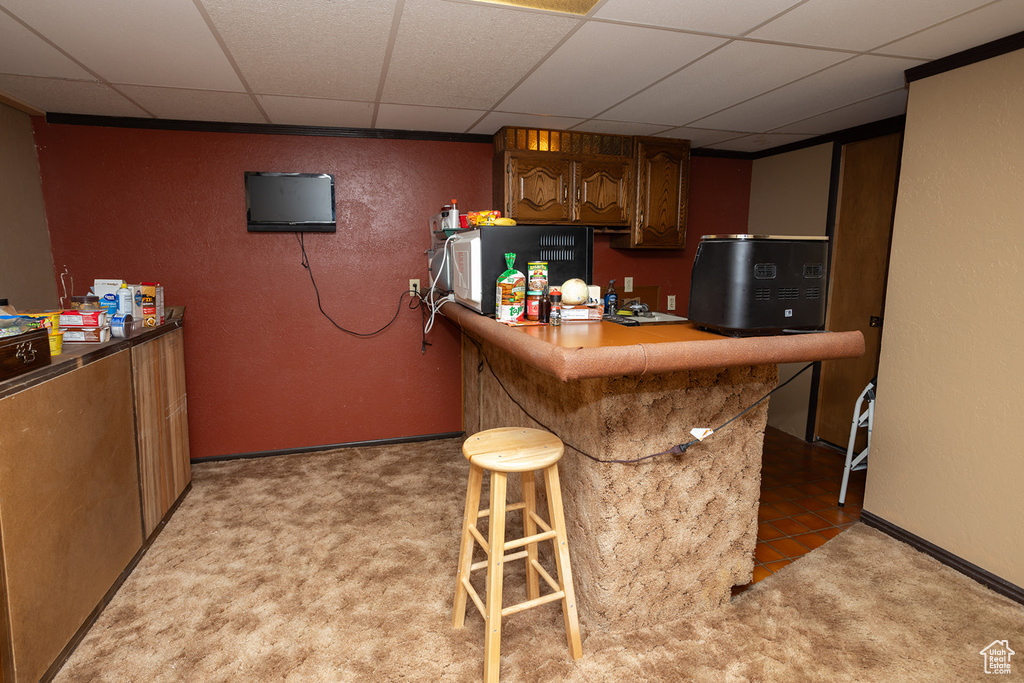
[
  {"x": 540, "y": 189},
  {"x": 662, "y": 188},
  {"x": 602, "y": 192}
]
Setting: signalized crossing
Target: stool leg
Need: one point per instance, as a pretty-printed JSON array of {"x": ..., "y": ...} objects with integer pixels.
[
  {"x": 495, "y": 569},
  {"x": 557, "y": 514},
  {"x": 529, "y": 529},
  {"x": 476, "y": 475}
]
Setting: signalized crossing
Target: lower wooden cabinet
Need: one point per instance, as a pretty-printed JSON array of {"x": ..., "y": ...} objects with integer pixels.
[
  {"x": 161, "y": 423},
  {"x": 80, "y": 446}
]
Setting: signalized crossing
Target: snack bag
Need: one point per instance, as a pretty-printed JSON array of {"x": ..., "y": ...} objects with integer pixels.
[{"x": 510, "y": 297}]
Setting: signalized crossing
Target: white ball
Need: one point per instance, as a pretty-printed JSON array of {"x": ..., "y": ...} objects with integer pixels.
[{"x": 575, "y": 292}]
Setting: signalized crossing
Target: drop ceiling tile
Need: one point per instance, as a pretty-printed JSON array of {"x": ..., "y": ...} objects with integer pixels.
[
  {"x": 866, "y": 111},
  {"x": 760, "y": 142},
  {"x": 981, "y": 26},
  {"x": 701, "y": 137},
  {"x": 307, "y": 47},
  {"x": 852, "y": 81},
  {"x": 598, "y": 67},
  {"x": 495, "y": 120},
  {"x": 195, "y": 105},
  {"x": 727, "y": 17},
  {"x": 71, "y": 97},
  {"x": 467, "y": 56},
  {"x": 125, "y": 41},
  {"x": 860, "y": 25},
  {"x": 734, "y": 73},
  {"x": 23, "y": 52},
  {"x": 621, "y": 127},
  {"x": 310, "y": 111},
  {"x": 414, "y": 117}
]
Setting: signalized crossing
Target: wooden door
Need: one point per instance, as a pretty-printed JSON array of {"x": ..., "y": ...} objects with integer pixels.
[
  {"x": 662, "y": 176},
  {"x": 539, "y": 189},
  {"x": 602, "y": 192},
  {"x": 860, "y": 259}
]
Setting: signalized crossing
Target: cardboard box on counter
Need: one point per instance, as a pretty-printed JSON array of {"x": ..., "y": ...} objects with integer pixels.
[
  {"x": 152, "y": 304},
  {"x": 77, "y": 335},
  {"x": 581, "y": 313},
  {"x": 83, "y": 318}
]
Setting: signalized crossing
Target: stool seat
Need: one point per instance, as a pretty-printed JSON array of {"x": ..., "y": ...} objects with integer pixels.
[{"x": 513, "y": 449}]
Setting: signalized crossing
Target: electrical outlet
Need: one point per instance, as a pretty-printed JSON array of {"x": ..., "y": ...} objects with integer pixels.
[
  {"x": 671, "y": 305},
  {"x": 414, "y": 287},
  {"x": 627, "y": 284}
]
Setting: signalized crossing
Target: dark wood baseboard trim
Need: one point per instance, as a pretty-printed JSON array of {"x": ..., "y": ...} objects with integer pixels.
[
  {"x": 330, "y": 447},
  {"x": 62, "y": 658},
  {"x": 972, "y": 571}
]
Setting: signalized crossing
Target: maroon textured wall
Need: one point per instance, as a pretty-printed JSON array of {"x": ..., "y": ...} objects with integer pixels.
[
  {"x": 719, "y": 203},
  {"x": 265, "y": 369}
]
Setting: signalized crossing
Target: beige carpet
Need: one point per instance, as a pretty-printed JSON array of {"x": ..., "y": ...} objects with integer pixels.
[{"x": 338, "y": 566}]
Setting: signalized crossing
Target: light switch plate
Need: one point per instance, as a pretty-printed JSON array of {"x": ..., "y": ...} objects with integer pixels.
[
  {"x": 671, "y": 305},
  {"x": 627, "y": 284}
]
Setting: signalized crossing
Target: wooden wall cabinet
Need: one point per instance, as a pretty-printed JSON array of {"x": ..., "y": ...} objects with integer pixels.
[
  {"x": 563, "y": 177},
  {"x": 662, "y": 185},
  {"x": 632, "y": 187}
]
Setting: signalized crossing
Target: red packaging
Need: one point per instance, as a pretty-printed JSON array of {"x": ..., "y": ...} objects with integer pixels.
[{"x": 82, "y": 318}]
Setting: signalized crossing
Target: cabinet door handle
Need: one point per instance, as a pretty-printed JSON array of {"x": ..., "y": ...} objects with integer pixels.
[
  {"x": 579, "y": 194},
  {"x": 565, "y": 194}
]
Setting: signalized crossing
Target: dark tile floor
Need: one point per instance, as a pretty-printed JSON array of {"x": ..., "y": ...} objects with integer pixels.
[{"x": 799, "y": 508}]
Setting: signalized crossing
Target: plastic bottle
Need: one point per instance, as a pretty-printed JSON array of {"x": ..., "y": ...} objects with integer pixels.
[
  {"x": 555, "y": 317},
  {"x": 611, "y": 298},
  {"x": 454, "y": 215},
  {"x": 124, "y": 300}
]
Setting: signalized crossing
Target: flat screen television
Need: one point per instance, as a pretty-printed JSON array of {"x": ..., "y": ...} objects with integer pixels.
[{"x": 289, "y": 202}]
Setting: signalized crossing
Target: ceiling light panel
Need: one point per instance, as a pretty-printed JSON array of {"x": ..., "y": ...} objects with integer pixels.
[
  {"x": 736, "y": 72},
  {"x": 126, "y": 41},
  {"x": 466, "y": 56},
  {"x": 307, "y": 47},
  {"x": 727, "y": 17},
  {"x": 861, "y": 25},
  {"x": 621, "y": 59}
]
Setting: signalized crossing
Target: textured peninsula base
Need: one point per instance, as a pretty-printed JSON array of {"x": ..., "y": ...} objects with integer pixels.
[{"x": 651, "y": 541}]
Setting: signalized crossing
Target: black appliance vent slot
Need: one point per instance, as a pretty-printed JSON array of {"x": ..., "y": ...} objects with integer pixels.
[
  {"x": 567, "y": 241},
  {"x": 812, "y": 293},
  {"x": 550, "y": 255},
  {"x": 764, "y": 271},
  {"x": 786, "y": 293},
  {"x": 763, "y": 294},
  {"x": 813, "y": 270}
]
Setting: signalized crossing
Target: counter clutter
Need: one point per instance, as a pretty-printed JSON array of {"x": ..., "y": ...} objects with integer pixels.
[
  {"x": 530, "y": 300},
  {"x": 112, "y": 308}
]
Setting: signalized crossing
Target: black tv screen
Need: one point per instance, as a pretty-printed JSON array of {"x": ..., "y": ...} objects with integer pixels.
[{"x": 289, "y": 202}]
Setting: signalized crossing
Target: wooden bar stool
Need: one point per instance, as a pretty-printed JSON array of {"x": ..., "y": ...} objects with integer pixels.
[{"x": 500, "y": 451}]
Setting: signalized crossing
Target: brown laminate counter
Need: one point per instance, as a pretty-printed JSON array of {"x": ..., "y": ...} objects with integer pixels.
[{"x": 603, "y": 349}]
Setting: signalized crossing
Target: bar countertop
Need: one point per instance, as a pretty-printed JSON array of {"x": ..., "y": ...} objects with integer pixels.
[{"x": 602, "y": 349}]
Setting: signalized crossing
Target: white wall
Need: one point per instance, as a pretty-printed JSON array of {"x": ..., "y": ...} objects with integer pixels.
[
  {"x": 947, "y": 459},
  {"x": 789, "y": 196}
]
